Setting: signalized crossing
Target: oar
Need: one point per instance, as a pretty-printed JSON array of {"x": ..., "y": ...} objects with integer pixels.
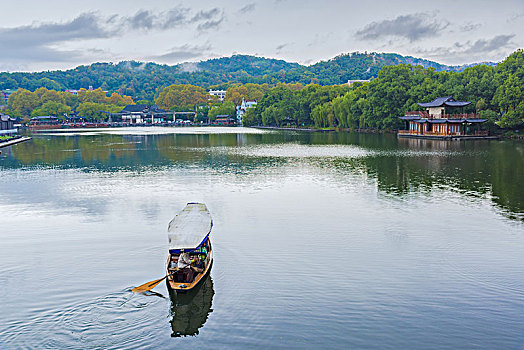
[{"x": 147, "y": 286}]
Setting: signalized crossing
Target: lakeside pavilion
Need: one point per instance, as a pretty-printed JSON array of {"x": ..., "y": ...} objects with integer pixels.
[{"x": 440, "y": 121}]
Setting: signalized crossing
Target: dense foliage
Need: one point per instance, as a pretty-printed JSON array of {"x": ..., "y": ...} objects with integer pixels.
[
  {"x": 45, "y": 102},
  {"x": 145, "y": 80},
  {"x": 283, "y": 105},
  {"x": 225, "y": 108},
  {"x": 248, "y": 91},
  {"x": 496, "y": 92},
  {"x": 182, "y": 97}
]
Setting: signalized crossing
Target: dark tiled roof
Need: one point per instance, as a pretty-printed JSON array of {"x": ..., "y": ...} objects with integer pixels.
[
  {"x": 154, "y": 108},
  {"x": 439, "y": 101},
  {"x": 135, "y": 108},
  {"x": 6, "y": 118},
  {"x": 44, "y": 117},
  {"x": 457, "y": 103},
  {"x": 142, "y": 109},
  {"x": 444, "y": 101}
]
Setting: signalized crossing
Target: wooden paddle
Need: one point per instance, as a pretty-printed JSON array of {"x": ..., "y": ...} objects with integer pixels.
[{"x": 147, "y": 286}]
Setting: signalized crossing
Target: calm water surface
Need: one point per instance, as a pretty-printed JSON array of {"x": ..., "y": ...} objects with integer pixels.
[{"x": 322, "y": 240}]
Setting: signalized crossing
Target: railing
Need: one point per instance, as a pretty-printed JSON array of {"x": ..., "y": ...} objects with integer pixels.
[
  {"x": 458, "y": 116},
  {"x": 426, "y": 115},
  {"x": 435, "y": 133},
  {"x": 421, "y": 114},
  {"x": 430, "y": 133}
]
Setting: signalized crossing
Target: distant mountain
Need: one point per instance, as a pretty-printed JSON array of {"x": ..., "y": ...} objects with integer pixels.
[
  {"x": 143, "y": 80},
  {"x": 244, "y": 64}
]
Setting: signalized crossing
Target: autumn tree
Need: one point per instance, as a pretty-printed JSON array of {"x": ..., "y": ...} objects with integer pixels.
[
  {"x": 248, "y": 91},
  {"x": 43, "y": 102},
  {"x": 184, "y": 96}
]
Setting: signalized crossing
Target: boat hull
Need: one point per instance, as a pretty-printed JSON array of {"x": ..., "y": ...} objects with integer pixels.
[{"x": 184, "y": 287}]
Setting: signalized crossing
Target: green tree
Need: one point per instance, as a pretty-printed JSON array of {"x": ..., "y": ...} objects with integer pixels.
[
  {"x": 250, "y": 118},
  {"x": 225, "y": 108},
  {"x": 509, "y": 94},
  {"x": 514, "y": 117},
  {"x": 481, "y": 105},
  {"x": 22, "y": 102},
  {"x": 269, "y": 116},
  {"x": 93, "y": 111},
  {"x": 52, "y": 108}
]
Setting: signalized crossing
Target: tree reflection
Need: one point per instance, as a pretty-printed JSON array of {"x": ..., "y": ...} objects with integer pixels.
[{"x": 492, "y": 169}]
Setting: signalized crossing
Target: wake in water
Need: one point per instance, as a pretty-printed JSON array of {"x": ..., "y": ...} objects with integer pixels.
[
  {"x": 114, "y": 321},
  {"x": 119, "y": 320}
]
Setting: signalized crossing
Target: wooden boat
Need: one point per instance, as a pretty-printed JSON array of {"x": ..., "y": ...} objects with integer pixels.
[{"x": 189, "y": 232}]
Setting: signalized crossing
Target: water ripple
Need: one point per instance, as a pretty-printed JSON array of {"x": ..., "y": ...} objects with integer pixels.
[{"x": 113, "y": 321}]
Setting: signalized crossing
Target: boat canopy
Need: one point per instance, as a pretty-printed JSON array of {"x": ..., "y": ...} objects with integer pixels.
[{"x": 190, "y": 228}]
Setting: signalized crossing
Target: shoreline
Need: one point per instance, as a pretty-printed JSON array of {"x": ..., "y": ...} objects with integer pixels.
[
  {"x": 291, "y": 129},
  {"x": 377, "y": 131},
  {"x": 363, "y": 131},
  {"x": 14, "y": 141}
]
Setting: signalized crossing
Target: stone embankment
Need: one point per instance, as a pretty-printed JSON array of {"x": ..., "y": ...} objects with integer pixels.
[{"x": 14, "y": 141}]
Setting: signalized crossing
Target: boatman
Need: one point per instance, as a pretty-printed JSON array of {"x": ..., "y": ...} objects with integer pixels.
[
  {"x": 183, "y": 260},
  {"x": 184, "y": 265}
]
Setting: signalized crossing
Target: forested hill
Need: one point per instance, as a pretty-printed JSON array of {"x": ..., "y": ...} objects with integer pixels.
[{"x": 144, "y": 80}]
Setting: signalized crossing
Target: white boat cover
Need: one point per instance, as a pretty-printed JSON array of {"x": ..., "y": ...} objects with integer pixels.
[{"x": 189, "y": 227}]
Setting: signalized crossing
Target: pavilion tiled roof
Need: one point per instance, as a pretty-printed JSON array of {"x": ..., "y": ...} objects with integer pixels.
[{"x": 448, "y": 101}]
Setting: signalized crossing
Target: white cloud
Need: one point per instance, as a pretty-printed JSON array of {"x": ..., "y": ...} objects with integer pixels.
[{"x": 413, "y": 27}]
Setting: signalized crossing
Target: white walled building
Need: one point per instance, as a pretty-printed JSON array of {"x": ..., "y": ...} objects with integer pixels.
[
  {"x": 221, "y": 94},
  {"x": 244, "y": 106},
  {"x": 351, "y": 82}
]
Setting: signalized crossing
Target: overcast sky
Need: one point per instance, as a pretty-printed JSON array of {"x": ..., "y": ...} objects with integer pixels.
[{"x": 60, "y": 34}]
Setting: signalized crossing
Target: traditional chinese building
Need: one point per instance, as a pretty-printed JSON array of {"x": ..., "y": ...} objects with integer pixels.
[
  {"x": 442, "y": 120},
  {"x": 140, "y": 114},
  {"x": 7, "y": 125},
  {"x": 224, "y": 119}
]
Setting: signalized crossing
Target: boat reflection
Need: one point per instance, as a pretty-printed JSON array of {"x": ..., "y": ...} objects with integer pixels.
[{"x": 189, "y": 311}]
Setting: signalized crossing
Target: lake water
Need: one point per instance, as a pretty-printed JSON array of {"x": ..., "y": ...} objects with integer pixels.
[{"x": 322, "y": 240}]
